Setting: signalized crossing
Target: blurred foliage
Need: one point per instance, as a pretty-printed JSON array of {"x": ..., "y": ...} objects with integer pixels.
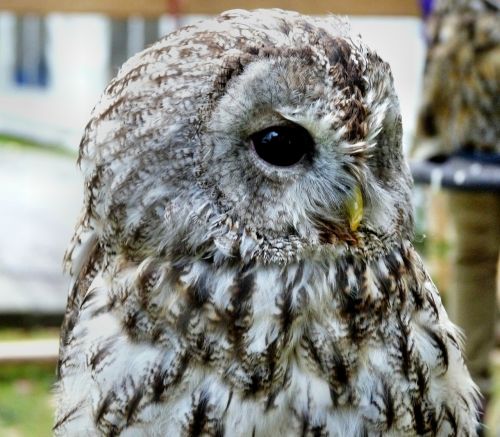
[
  {"x": 24, "y": 143},
  {"x": 8, "y": 334},
  {"x": 26, "y": 407},
  {"x": 493, "y": 412}
]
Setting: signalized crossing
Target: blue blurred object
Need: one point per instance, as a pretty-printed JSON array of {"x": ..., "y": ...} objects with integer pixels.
[
  {"x": 426, "y": 7},
  {"x": 27, "y": 77},
  {"x": 31, "y": 64}
]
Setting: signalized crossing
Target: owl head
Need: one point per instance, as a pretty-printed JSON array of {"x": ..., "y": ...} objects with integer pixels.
[{"x": 255, "y": 135}]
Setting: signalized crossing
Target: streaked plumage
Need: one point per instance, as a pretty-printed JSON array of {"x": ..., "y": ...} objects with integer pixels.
[
  {"x": 461, "y": 93},
  {"x": 216, "y": 294}
]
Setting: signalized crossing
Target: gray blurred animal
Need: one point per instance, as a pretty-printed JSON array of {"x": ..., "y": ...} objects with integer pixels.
[
  {"x": 461, "y": 94},
  {"x": 243, "y": 263}
]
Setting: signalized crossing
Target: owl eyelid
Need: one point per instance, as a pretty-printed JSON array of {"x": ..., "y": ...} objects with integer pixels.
[{"x": 266, "y": 119}]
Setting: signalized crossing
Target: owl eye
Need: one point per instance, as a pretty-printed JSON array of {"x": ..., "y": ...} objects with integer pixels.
[{"x": 282, "y": 146}]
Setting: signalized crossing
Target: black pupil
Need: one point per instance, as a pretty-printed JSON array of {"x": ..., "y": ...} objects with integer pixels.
[{"x": 282, "y": 146}]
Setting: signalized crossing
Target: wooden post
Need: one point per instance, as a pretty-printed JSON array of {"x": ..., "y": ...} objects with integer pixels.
[{"x": 154, "y": 8}]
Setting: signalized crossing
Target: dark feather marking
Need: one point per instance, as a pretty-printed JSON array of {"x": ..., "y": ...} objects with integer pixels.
[
  {"x": 418, "y": 415},
  {"x": 255, "y": 384},
  {"x": 245, "y": 282},
  {"x": 271, "y": 360},
  {"x": 416, "y": 293},
  {"x": 232, "y": 67},
  {"x": 433, "y": 420},
  {"x": 89, "y": 296},
  {"x": 271, "y": 357},
  {"x": 156, "y": 333},
  {"x": 363, "y": 432},
  {"x": 69, "y": 323},
  {"x": 340, "y": 369},
  {"x": 330, "y": 232},
  {"x": 113, "y": 431},
  {"x": 299, "y": 274},
  {"x": 199, "y": 416},
  {"x": 348, "y": 76},
  {"x": 440, "y": 344},
  {"x": 82, "y": 283},
  {"x": 144, "y": 284},
  {"x": 452, "y": 420},
  {"x": 200, "y": 295},
  {"x": 432, "y": 303},
  {"x": 117, "y": 85},
  {"x": 98, "y": 357},
  {"x": 287, "y": 315},
  {"x": 158, "y": 384},
  {"x": 197, "y": 295},
  {"x": 422, "y": 381},
  {"x": 385, "y": 281},
  {"x": 270, "y": 401},
  {"x": 129, "y": 322},
  {"x": 132, "y": 405},
  {"x": 319, "y": 430},
  {"x": 66, "y": 417},
  {"x": 415, "y": 285},
  {"x": 407, "y": 261},
  {"x": 103, "y": 407},
  {"x": 314, "y": 353},
  {"x": 241, "y": 309},
  {"x": 464, "y": 401},
  {"x": 404, "y": 347},
  {"x": 389, "y": 405},
  {"x": 305, "y": 424},
  {"x": 219, "y": 429},
  {"x": 203, "y": 349},
  {"x": 453, "y": 340},
  {"x": 102, "y": 352},
  {"x": 331, "y": 364},
  {"x": 354, "y": 305},
  {"x": 286, "y": 311},
  {"x": 113, "y": 106},
  {"x": 229, "y": 399},
  {"x": 393, "y": 265},
  {"x": 166, "y": 378}
]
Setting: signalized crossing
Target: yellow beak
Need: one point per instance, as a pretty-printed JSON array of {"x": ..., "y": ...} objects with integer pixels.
[{"x": 355, "y": 209}]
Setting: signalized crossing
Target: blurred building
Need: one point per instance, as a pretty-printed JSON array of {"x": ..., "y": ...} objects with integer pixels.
[{"x": 54, "y": 66}]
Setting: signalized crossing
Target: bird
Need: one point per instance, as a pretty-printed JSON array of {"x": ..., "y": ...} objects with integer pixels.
[
  {"x": 243, "y": 264},
  {"x": 460, "y": 108}
]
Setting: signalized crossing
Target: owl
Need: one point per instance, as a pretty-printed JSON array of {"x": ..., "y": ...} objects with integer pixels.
[
  {"x": 461, "y": 104},
  {"x": 243, "y": 264}
]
